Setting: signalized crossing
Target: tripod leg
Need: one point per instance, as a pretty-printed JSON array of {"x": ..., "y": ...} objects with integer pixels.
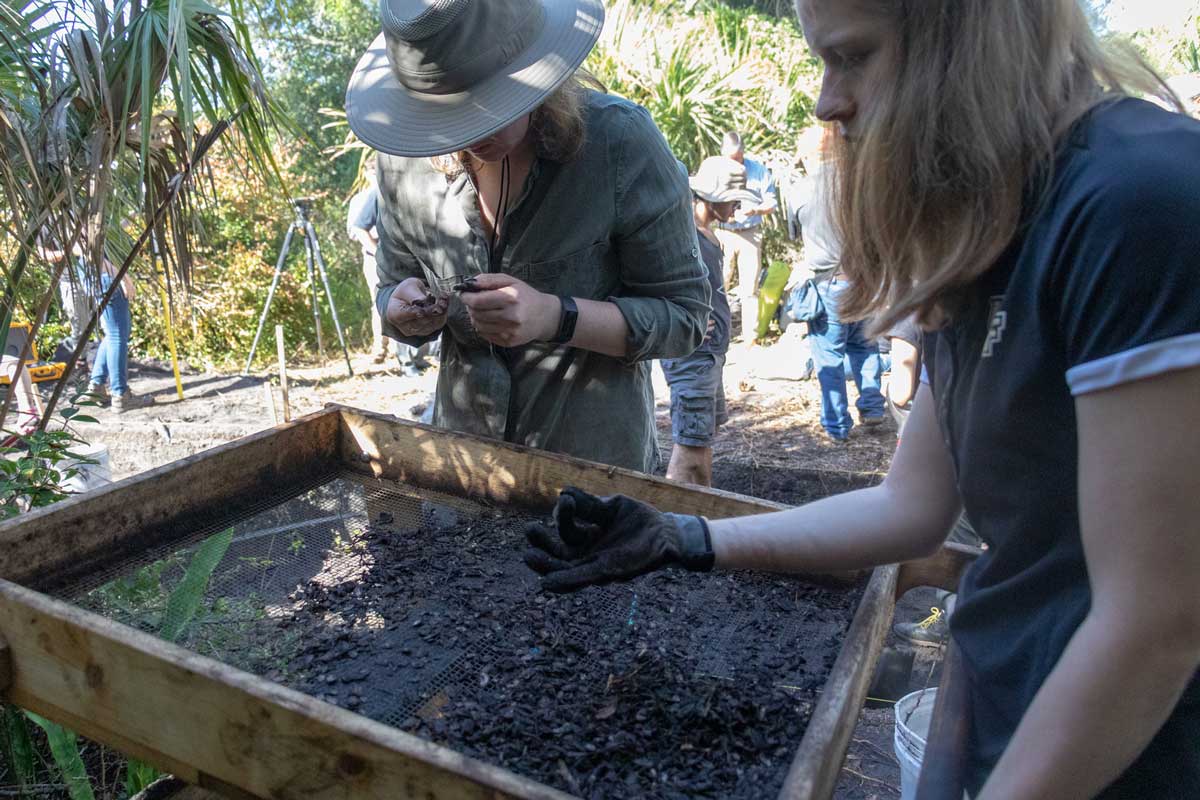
[
  {"x": 312, "y": 281},
  {"x": 337, "y": 325},
  {"x": 283, "y": 251}
]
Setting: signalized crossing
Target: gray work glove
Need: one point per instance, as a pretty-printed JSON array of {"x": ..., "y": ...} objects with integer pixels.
[{"x": 597, "y": 540}]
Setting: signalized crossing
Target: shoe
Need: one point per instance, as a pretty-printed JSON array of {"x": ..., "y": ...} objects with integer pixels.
[
  {"x": 836, "y": 439},
  {"x": 871, "y": 422},
  {"x": 99, "y": 393},
  {"x": 933, "y": 631},
  {"x": 124, "y": 402}
]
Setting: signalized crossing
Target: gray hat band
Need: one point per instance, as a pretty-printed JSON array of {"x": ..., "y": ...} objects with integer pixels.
[{"x": 480, "y": 39}]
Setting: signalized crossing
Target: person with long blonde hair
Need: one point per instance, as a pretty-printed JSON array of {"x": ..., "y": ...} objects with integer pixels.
[
  {"x": 538, "y": 226},
  {"x": 1000, "y": 179}
]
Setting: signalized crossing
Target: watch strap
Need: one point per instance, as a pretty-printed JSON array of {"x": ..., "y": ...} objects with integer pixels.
[{"x": 566, "y": 322}]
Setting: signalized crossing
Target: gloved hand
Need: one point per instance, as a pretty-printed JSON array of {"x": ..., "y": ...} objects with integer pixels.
[{"x": 597, "y": 540}]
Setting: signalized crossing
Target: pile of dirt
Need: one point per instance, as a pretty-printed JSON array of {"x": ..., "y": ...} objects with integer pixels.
[{"x": 674, "y": 685}]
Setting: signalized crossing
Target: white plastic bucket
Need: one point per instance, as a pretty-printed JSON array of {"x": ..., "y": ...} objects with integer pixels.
[
  {"x": 90, "y": 476},
  {"x": 913, "y": 714}
]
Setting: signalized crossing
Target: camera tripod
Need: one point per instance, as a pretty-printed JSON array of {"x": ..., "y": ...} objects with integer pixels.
[{"x": 312, "y": 252}]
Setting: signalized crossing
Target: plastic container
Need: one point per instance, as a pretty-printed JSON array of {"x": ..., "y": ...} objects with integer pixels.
[
  {"x": 90, "y": 476},
  {"x": 913, "y": 714}
]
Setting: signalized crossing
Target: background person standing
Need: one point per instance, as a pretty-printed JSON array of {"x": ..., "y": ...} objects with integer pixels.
[
  {"x": 833, "y": 339},
  {"x": 360, "y": 226},
  {"x": 110, "y": 372},
  {"x": 741, "y": 237},
  {"x": 697, "y": 388},
  {"x": 361, "y": 218}
]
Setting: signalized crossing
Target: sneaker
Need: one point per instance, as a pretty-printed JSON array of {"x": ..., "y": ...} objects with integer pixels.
[
  {"x": 871, "y": 422},
  {"x": 933, "y": 631},
  {"x": 124, "y": 402},
  {"x": 99, "y": 393}
]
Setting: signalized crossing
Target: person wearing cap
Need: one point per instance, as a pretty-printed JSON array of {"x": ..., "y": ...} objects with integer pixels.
[
  {"x": 742, "y": 236},
  {"x": 557, "y": 210},
  {"x": 697, "y": 391}
]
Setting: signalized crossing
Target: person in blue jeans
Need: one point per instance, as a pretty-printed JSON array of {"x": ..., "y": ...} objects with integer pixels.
[
  {"x": 110, "y": 372},
  {"x": 833, "y": 341}
]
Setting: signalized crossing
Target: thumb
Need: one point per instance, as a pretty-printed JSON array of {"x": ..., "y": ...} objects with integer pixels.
[{"x": 488, "y": 281}]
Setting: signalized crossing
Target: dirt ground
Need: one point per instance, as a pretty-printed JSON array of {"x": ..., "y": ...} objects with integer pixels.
[
  {"x": 772, "y": 422},
  {"x": 773, "y": 426}
]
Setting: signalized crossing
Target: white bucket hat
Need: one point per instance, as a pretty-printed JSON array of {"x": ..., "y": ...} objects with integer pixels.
[
  {"x": 722, "y": 180},
  {"x": 445, "y": 74}
]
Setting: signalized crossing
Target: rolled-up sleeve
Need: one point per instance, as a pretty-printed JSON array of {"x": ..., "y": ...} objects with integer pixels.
[
  {"x": 665, "y": 295},
  {"x": 394, "y": 262}
]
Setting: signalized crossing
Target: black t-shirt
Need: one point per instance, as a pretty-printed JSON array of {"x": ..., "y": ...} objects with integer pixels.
[
  {"x": 1101, "y": 288},
  {"x": 716, "y": 340},
  {"x": 908, "y": 330}
]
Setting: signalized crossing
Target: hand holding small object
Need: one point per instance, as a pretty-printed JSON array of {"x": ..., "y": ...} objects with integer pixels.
[
  {"x": 509, "y": 312},
  {"x": 414, "y": 311}
]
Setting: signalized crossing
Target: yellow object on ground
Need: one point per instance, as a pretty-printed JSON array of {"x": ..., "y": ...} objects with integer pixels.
[
  {"x": 769, "y": 296},
  {"x": 18, "y": 334}
]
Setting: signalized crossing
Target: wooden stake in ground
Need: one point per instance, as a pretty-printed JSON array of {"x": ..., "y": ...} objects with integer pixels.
[
  {"x": 287, "y": 410},
  {"x": 269, "y": 389},
  {"x": 166, "y": 305}
]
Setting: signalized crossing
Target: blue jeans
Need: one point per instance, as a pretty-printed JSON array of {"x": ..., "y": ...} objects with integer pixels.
[
  {"x": 112, "y": 359},
  {"x": 833, "y": 342}
]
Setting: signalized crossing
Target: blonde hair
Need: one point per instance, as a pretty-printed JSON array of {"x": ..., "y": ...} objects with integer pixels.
[
  {"x": 558, "y": 124},
  {"x": 961, "y": 140}
]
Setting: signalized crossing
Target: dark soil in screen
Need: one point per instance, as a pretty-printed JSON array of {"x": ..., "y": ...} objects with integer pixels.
[{"x": 674, "y": 685}]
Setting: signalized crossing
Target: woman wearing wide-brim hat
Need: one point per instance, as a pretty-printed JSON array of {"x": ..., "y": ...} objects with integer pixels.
[{"x": 557, "y": 210}]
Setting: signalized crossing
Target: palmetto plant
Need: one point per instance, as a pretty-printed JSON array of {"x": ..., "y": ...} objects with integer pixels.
[
  {"x": 105, "y": 111},
  {"x": 708, "y": 71}
]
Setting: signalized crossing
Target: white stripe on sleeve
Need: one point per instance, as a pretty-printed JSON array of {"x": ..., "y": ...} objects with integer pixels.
[{"x": 1167, "y": 355}]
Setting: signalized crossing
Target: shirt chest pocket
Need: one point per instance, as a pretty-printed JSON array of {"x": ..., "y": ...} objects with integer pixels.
[{"x": 590, "y": 273}]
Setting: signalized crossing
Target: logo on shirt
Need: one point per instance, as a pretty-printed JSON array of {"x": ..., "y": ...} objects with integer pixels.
[{"x": 997, "y": 322}]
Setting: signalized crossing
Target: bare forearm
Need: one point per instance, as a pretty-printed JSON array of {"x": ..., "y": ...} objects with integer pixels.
[
  {"x": 601, "y": 328},
  {"x": 1103, "y": 703},
  {"x": 366, "y": 240},
  {"x": 849, "y": 531}
]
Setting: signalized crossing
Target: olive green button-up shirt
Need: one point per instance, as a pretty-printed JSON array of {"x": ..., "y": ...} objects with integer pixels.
[{"x": 613, "y": 224}]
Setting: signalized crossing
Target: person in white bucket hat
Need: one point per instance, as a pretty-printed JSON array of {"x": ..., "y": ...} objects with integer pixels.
[
  {"x": 539, "y": 226},
  {"x": 695, "y": 381}
]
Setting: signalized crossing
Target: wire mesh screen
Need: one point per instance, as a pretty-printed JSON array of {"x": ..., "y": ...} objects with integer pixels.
[{"x": 415, "y": 609}]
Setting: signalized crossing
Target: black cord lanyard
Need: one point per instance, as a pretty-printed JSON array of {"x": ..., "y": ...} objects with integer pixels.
[{"x": 497, "y": 240}]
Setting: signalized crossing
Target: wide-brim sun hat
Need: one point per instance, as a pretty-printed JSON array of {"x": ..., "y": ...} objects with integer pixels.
[
  {"x": 445, "y": 74},
  {"x": 722, "y": 180}
]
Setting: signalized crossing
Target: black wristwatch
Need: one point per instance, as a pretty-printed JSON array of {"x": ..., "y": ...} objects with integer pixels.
[{"x": 566, "y": 323}]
